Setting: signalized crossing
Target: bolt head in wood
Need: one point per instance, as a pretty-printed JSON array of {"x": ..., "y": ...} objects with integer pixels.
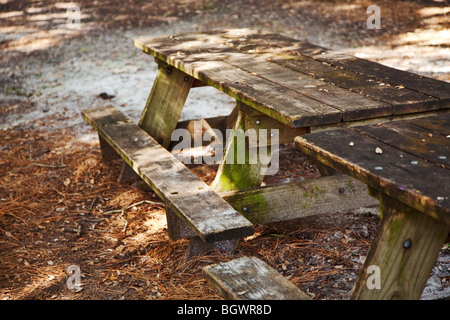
[{"x": 407, "y": 244}]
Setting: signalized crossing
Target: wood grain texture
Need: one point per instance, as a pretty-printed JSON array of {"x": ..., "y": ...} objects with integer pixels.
[
  {"x": 274, "y": 100},
  {"x": 186, "y": 195},
  {"x": 405, "y": 249},
  {"x": 403, "y": 170},
  {"x": 402, "y": 101},
  {"x": 241, "y": 167},
  {"x": 423, "y": 84},
  {"x": 438, "y": 124},
  {"x": 249, "y": 278},
  {"x": 301, "y": 199},
  {"x": 260, "y": 68},
  {"x": 353, "y": 106},
  {"x": 376, "y": 71},
  {"x": 426, "y": 144},
  {"x": 165, "y": 103}
]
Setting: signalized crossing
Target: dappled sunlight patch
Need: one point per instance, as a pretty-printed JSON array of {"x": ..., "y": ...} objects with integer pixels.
[
  {"x": 426, "y": 37},
  {"x": 431, "y": 11},
  {"x": 40, "y": 40}
]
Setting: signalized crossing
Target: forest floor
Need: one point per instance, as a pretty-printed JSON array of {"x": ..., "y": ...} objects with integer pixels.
[{"x": 60, "y": 205}]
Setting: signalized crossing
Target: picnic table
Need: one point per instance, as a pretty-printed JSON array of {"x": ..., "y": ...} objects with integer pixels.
[{"x": 285, "y": 86}]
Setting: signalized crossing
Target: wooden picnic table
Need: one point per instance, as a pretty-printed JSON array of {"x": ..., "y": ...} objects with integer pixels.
[{"x": 279, "y": 83}]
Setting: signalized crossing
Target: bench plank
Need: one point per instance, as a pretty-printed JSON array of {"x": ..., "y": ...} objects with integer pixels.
[
  {"x": 191, "y": 199},
  {"x": 249, "y": 278},
  {"x": 411, "y": 179}
]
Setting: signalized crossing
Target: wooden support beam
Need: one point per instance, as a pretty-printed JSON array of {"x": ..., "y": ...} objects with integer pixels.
[
  {"x": 198, "y": 83},
  {"x": 108, "y": 152},
  {"x": 338, "y": 193},
  {"x": 402, "y": 254},
  {"x": 240, "y": 168},
  {"x": 165, "y": 103}
]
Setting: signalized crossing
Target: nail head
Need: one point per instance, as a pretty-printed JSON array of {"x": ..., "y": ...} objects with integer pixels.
[{"x": 407, "y": 244}]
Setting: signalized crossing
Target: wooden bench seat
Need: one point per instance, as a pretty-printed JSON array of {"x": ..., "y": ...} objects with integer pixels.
[
  {"x": 206, "y": 213},
  {"x": 406, "y": 165},
  {"x": 249, "y": 278}
]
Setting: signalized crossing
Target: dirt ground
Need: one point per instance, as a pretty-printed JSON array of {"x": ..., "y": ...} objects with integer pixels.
[{"x": 60, "y": 205}]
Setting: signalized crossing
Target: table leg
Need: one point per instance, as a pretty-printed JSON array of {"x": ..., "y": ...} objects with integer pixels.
[
  {"x": 241, "y": 166},
  {"x": 178, "y": 229},
  {"x": 165, "y": 103},
  {"x": 109, "y": 155},
  {"x": 325, "y": 170},
  {"x": 402, "y": 254}
]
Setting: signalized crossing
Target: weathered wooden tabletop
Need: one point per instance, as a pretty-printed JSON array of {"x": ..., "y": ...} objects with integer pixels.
[
  {"x": 408, "y": 160},
  {"x": 296, "y": 82}
]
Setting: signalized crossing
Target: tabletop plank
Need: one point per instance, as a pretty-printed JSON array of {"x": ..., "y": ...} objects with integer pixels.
[
  {"x": 249, "y": 278},
  {"x": 287, "y": 106},
  {"x": 326, "y": 64},
  {"x": 412, "y": 139},
  {"x": 352, "y": 105},
  {"x": 423, "y": 84},
  {"x": 401, "y": 175},
  {"x": 295, "y": 82},
  {"x": 403, "y": 101},
  {"x": 437, "y": 124}
]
